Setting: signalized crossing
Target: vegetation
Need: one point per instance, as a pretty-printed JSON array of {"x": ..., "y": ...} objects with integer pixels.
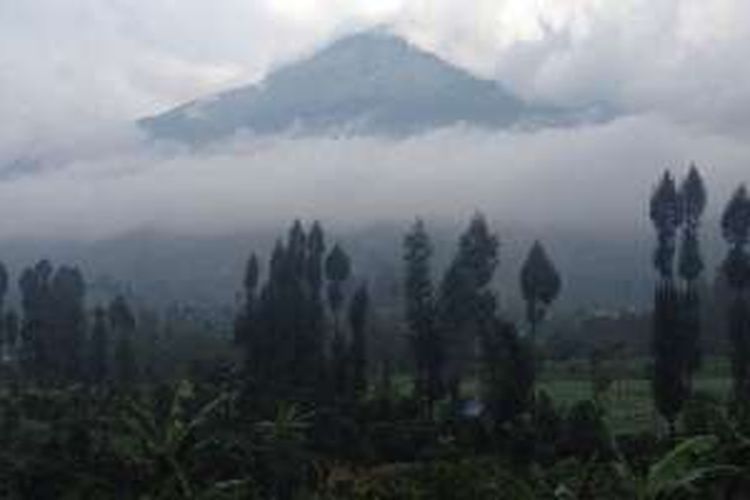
[{"x": 301, "y": 400}]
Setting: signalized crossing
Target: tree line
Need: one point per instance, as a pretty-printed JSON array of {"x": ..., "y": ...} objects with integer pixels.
[{"x": 676, "y": 210}]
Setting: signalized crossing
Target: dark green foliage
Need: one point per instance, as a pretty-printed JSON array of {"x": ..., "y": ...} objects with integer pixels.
[
  {"x": 677, "y": 321},
  {"x": 670, "y": 387},
  {"x": 540, "y": 285},
  {"x": 694, "y": 196},
  {"x": 282, "y": 328},
  {"x": 507, "y": 373},
  {"x": 338, "y": 269},
  {"x": 247, "y": 315},
  {"x": 69, "y": 322},
  {"x": 548, "y": 427},
  {"x": 467, "y": 304},
  {"x": 691, "y": 262},
  {"x": 5, "y": 343},
  {"x": 586, "y": 433},
  {"x": 736, "y": 231},
  {"x": 123, "y": 324},
  {"x": 358, "y": 314},
  {"x": 54, "y": 329},
  {"x": 10, "y": 331},
  {"x": 99, "y": 353},
  {"x": 426, "y": 342},
  {"x": 735, "y": 222},
  {"x": 667, "y": 216}
]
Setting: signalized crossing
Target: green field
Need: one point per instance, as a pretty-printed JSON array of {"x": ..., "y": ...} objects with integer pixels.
[{"x": 628, "y": 400}]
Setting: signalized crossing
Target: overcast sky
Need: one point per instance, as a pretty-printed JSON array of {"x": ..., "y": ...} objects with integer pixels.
[{"x": 67, "y": 67}]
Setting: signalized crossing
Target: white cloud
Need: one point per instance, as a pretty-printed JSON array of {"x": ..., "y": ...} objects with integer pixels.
[
  {"x": 588, "y": 178},
  {"x": 67, "y": 68}
]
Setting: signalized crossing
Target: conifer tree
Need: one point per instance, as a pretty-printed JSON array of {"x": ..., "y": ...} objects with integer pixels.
[
  {"x": 421, "y": 316},
  {"x": 99, "y": 352},
  {"x": 123, "y": 324},
  {"x": 338, "y": 269},
  {"x": 668, "y": 381},
  {"x": 466, "y": 302},
  {"x": 736, "y": 230},
  {"x": 246, "y": 318},
  {"x": 507, "y": 372},
  {"x": 540, "y": 286},
  {"x": 11, "y": 333},
  {"x": 36, "y": 343},
  {"x": 68, "y": 321},
  {"x": 358, "y": 314},
  {"x": 5, "y": 345},
  {"x": 694, "y": 199}
]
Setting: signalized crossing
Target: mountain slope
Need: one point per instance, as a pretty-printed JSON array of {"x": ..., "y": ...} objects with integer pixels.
[{"x": 370, "y": 83}]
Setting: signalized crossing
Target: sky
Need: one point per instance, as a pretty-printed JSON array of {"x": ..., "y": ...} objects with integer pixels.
[{"x": 74, "y": 74}]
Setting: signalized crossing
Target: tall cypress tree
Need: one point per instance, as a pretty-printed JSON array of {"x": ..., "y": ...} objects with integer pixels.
[
  {"x": 694, "y": 199},
  {"x": 421, "y": 316},
  {"x": 5, "y": 346},
  {"x": 338, "y": 270},
  {"x": 467, "y": 302},
  {"x": 668, "y": 382},
  {"x": 246, "y": 319},
  {"x": 358, "y": 313},
  {"x": 281, "y": 328},
  {"x": 736, "y": 231},
  {"x": 316, "y": 249},
  {"x": 540, "y": 285},
  {"x": 68, "y": 319},
  {"x": 36, "y": 341},
  {"x": 11, "y": 332},
  {"x": 123, "y": 324},
  {"x": 507, "y": 372},
  {"x": 100, "y": 350}
]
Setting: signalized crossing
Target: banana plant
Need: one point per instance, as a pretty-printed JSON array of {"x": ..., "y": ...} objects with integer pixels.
[
  {"x": 684, "y": 472},
  {"x": 172, "y": 441}
]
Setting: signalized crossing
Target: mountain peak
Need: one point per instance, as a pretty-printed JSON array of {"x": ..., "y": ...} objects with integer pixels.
[{"x": 368, "y": 83}]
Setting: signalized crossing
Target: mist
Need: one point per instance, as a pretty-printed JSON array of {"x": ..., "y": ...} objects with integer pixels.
[{"x": 595, "y": 178}]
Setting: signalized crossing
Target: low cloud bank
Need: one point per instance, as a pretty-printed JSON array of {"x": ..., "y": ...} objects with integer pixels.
[{"x": 595, "y": 177}]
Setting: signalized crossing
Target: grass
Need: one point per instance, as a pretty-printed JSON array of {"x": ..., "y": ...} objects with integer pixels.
[{"x": 628, "y": 401}]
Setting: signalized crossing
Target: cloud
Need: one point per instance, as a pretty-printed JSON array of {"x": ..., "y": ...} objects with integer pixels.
[
  {"x": 73, "y": 63},
  {"x": 592, "y": 178},
  {"x": 71, "y": 73}
]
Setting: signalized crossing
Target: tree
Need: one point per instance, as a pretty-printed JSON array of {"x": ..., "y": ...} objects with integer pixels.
[
  {"x": 281, "y": 326},
  {"x": 338, "y": 269},
  {"x": 666, "y": 215},
  {"x": 507, "y": 372},
  {"x": 5, "y": 345},
  {"x": 123, "y": 324},
  {"x": 358, "y": 313},
  {"x": 466, "y": 302},
  {"x": 243, "y": 335},
  {"x": 68, "y": 323},
  {"x": 99, "y": 352},
  {"x": 694, "y": 199},
  {"x": 736, "y": 231},
  {"x": 11, "y": 333},
  {"x": 36, "y": 343},
  {"x": 421, "y": 316},
  {"x": 668, "y": 378},
  {"x": 540, "y": 286}
]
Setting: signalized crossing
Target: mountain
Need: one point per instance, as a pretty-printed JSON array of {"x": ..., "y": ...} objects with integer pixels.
[{"x": 371, "y": 83}]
